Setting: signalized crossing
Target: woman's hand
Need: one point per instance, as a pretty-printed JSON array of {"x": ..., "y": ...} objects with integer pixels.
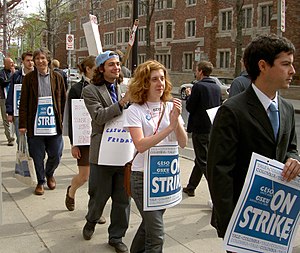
[
  {"x": 76, "y": 152},
  {"x": 175, "y": 113}
]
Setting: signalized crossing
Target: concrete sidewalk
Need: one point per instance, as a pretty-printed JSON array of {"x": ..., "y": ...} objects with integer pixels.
[{"x": 33, "y": 223}]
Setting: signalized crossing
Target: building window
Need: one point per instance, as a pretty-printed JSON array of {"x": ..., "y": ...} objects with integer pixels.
[
  {"x": 164, "y": 30},
  {"x": 226, "y": 20},
  {"x": 191, "y": 2},
  {"x": 159, "y": 4},
  {"x": 82, "y": 42},
  {"x": 169, "y": 30},
  {"x": 142, "y": 34},
  {"x": 126, "y": 35},
  {"x": 224, "y": 59},
  {"x": 123, "y": 35},
  {"x": 141, "y": 58},
  {"x": 119, "y": 36},
  {"x": 266, "y": 14},
  {"x": 164, "y": 59},
  {"x": 169, "y": 4},
  {"x": 247, "y": 17},
  {"x": 142, "y": 9},
  {"x": 123, "y": 10},
  {"x": 108, "y": 39},
  {"x": 159, "y": 30},
  {"x": 188, "y": 61},
  {"x": 109, "y": 16},
  {"x": 190, "y": 28}
]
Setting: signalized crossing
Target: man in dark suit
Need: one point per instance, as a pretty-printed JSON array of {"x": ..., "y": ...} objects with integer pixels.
[
  {"x": 242, "y": 126},
  {"x": 205, "y": 94}
]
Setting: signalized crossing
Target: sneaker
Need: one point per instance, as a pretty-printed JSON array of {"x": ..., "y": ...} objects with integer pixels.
[{"x": 189, "y": 192}]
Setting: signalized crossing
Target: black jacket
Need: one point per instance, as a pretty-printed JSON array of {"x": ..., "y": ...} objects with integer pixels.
[{"x": 205, "y": 94}]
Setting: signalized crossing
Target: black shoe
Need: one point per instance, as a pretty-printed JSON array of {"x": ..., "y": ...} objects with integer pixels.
[
  {"x": 189, "y": 192},
  {"x": 88, "y": 230},
  {"x": 120, "y": 247}
]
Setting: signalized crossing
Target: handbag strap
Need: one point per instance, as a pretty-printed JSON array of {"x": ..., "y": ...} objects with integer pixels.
[{"x": 158, "y": 123}]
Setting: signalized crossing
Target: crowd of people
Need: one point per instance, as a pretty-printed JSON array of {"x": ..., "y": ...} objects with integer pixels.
[{"x": 150, "y": 116}]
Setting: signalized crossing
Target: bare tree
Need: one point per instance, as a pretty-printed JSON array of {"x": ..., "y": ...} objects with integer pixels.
[
  {"x": 10, "y": 5},
  {"x": 149, "y": 7},
  {"x": 56, "y": 18}
]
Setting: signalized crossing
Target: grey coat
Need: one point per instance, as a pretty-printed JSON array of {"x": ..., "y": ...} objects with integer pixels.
[{"x": 101, "y": 108}]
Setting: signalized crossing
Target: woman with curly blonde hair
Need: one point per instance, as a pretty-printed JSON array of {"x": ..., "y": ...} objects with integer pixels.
[{"x": 150, "y": 93}]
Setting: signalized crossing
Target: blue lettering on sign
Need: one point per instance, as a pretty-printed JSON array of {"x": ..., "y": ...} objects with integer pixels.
[
  {"x": 164, "y": 176},
  {"x": 119, "y": 140},
  {"x": 270, "y": 211}
]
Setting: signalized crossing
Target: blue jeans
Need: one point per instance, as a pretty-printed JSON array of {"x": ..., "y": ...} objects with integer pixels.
[
  {"x": 38, "y": 147},
  {"x": 149, "y": 237},
  {"x": 108, "y": 182}
]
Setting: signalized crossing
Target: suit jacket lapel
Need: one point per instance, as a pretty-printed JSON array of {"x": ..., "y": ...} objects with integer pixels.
[
  {"x": 282, "y": 117},
  {"x": 104, "y": 93},
  {"x": 258, "y": 112}
]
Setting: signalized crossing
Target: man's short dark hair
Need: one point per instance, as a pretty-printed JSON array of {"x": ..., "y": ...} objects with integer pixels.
[
  {"x": 28, "y": 53},
  {"x": 206, "y": 67},
  {"x": 267, "y": 48}
]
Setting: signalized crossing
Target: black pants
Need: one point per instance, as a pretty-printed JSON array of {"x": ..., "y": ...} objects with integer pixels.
[{"x": 200, "y": 143}]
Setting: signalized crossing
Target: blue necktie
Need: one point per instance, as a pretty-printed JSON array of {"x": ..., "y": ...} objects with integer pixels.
[
  {"x": 113, "y": 93},
  {"x": 274, "y": 118}
]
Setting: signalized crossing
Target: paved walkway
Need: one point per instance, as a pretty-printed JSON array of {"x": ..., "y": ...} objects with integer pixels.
[{"x": 42, "y": 224}]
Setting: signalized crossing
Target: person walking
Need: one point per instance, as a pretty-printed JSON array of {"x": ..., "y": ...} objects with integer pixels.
[
  {"x": 42, "y": 103},
  {"x": 55, "y": 64},
  {"x": 13, "y": 98},
  {"x": 205, "y": 94},
  {"x": 5, "y": 80},
  {"x": 103, "y": 101},
  {"x": 150, "y": 91},
  {"x": 242, "y": 126}
]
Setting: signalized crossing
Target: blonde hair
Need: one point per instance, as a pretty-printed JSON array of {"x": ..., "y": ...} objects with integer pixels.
[{"x": 140, "y": 82}]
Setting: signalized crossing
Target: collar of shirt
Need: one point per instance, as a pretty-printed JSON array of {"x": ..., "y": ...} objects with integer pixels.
[
  {"x": 43, "y": 75},
  {"x": 264, "y": 98}
]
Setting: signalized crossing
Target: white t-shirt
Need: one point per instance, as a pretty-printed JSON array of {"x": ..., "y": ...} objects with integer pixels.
[{"x": 146, "y": 116}]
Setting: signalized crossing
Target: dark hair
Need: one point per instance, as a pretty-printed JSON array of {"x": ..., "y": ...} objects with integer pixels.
[
  {"x": 43, "y": 51},
  {"x": 28, "y": 53},
  {"x": 206, "y": 67},
  {"x": 98, "y": 77},
  {"x": 88, "y": 61},
  {"x": 267, "y": 48}
]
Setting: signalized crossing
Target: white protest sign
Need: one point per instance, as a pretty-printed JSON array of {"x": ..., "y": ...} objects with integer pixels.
[
  {"x": 116, "y": 146},
  {"x": 92, "y": 36},
  {"x": 162, "y": 187},
  {"x": 212, "y": 113},
  {"x": 266, "y": 217},
  {"x": 45, "y": 123},
  {"x": 81, "y": 123}
]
